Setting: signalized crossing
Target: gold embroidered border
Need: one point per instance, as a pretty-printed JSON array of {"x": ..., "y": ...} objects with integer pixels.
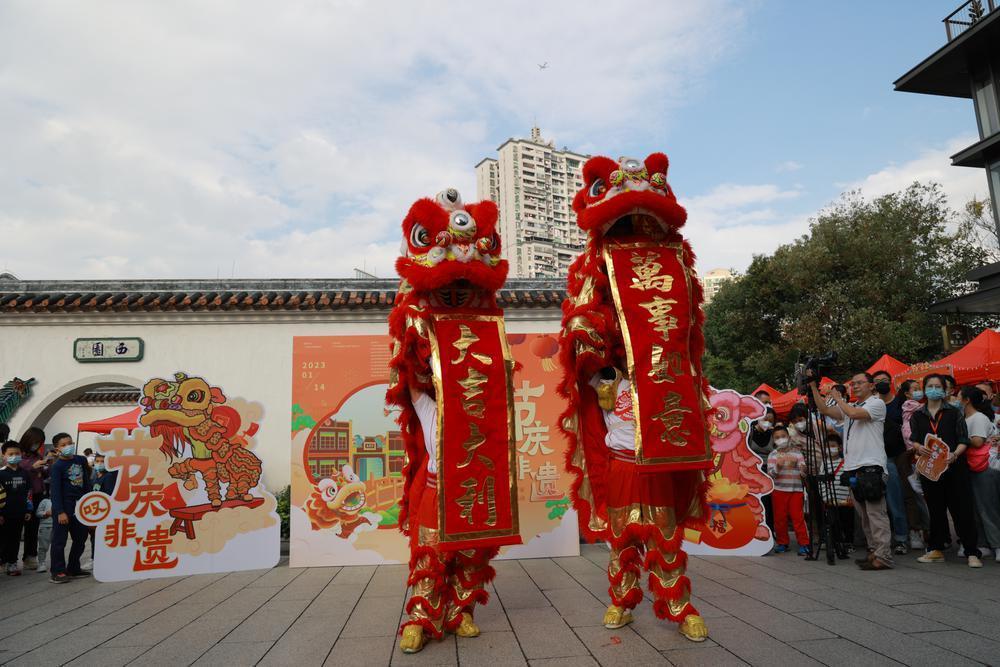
[
  {"x": 630, "y": 356},
  {"x": 511, "y": 433}
]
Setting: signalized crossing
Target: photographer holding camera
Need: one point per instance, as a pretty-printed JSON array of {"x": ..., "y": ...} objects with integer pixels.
[{"x": 864, "y": 462}]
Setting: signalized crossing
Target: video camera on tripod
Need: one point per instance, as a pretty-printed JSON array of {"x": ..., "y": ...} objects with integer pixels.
[
  {"x": 812, "y": 369},
  {"x": 820, "y": 480}
]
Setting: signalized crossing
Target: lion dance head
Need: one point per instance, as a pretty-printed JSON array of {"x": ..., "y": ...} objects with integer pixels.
[
  {"x": 338, "y": 499},
  {"x": 450, "y": 247},
  {"x": 170, "y": 406},
  {"x": 627, "y": 198}
]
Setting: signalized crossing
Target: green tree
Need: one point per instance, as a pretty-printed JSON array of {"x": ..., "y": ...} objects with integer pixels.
[{"x": 859, "y": 283}]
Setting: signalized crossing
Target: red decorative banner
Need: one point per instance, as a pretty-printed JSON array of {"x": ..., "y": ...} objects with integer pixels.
[
  {"x": 477, "y": 488},
  {"x": 653, "y": 300},
  {"x": 919, "y": 371}
]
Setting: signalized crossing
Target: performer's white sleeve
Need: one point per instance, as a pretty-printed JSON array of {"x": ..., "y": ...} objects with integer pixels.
[{"x": 426, "y": 409}]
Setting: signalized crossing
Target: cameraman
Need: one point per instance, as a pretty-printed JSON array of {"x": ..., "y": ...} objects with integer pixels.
[{"x": 864, "y": 462}]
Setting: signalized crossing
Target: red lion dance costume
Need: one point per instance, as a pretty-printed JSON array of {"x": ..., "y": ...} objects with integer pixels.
[
  {"x": 450, "y": 374},
  {"x": 631, "y": 351}
]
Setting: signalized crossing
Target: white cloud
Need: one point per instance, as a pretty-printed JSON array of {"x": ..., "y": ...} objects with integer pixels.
[
  {"x": 732, "y": 223},
  {"x": 148, "y": 139},
  {"x": 788, "y": 166},
  {"x": 933, "y": 164}
]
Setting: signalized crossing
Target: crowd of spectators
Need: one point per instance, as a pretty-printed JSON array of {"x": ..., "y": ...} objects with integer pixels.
[
  {"x": 871, "y": 435},
  {"x": 40, "y": 485}
]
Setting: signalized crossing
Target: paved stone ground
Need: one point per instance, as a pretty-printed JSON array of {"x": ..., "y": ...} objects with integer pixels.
[{"x": 776, "y": 610}]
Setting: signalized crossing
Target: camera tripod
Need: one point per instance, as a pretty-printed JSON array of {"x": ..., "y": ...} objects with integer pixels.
[{"x": 821, "y": 485}]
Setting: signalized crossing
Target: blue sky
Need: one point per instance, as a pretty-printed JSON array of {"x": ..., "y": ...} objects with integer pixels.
[
  {"x": 811, "y": 83},
  {"x": 193, "y": 139}
]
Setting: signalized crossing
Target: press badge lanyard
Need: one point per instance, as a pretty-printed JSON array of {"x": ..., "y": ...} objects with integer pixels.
[{"x": 936, "y": 421}]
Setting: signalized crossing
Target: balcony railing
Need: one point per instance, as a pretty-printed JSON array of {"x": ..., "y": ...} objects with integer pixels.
[{"x": 966, "y": 16}]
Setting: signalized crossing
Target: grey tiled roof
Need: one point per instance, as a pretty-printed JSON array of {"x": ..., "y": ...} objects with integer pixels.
[{"x": 31, "y": 296}]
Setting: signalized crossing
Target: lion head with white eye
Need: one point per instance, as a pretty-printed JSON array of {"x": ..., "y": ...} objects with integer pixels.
[
  {"x": 627, "y": 198},
  {"x": 338, "y": 499},
  {"x": 449, "y": 243}
]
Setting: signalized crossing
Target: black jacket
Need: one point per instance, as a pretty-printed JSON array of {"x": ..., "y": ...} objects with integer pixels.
[
  {"x": 17, "y": 484},
  {"x": 950, "y": 423}
]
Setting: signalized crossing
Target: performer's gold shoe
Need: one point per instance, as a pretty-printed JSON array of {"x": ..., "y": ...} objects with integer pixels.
[
  {"x": 693, "y": 627},
  {"x": 468, "y": 628},
  {"x": 616, "y": 617},
  {"x": 412, "y": 640}
]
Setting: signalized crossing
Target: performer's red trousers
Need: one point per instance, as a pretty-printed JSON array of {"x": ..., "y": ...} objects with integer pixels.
[
  {"x": 644, "y": 533},
  {"x": 444, "y": 583}
]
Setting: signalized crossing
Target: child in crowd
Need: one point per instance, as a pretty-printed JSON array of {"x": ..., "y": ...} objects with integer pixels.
[
  {"x": 103, "y": 479},
  {"x": 835, "y": 494},
  {"x": 68, "y": 484},
  {"x": 787, "y": 467},
  {"x": 44, "y": 514},
  {"x": 17, "y": 509}
]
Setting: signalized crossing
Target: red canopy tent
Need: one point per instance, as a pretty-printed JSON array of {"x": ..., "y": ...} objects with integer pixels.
[
  {"x": 127, "y": 420},
  {"x": 768, "y": 388},
  {"x": 889, "y": 364},
  {"x": 783, "y": 403},
  {"x": 977, "y": 361}
]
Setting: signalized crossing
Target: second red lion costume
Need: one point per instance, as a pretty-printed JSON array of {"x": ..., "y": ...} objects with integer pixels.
[
  {"x": 450, "y": 374},
  {"x": 631, "y": 350}
]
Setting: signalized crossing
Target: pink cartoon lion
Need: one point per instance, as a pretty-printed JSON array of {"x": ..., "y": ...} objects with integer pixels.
[{"x": 729, "y": 424}]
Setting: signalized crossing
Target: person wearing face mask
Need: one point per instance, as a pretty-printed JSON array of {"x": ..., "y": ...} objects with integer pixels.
[
  {"x": 103, "y": 480},
  {"x": 895, "y": 447},
  {"x": 760, "y": 434},
  {"x": 985, "y": 480},
  {"x": 761, "y": 444},
  {"x": 864, "y": 462},
  {"x": 787, "y": 467},
  {"x": 35, "y": 464},
  {"x": 17, "y": 509},
  {"x": 909, "y": 395},
  {"x": 951, "y": 391},
  {"x": 839, "y": 496},
  {"x": 804, "y": 432},
  {"x": 68, "y": 484},
  {"x": 799, "y": 431},
  {"x": 952, "y": 492},
  {"x": 763, "y": 397}
]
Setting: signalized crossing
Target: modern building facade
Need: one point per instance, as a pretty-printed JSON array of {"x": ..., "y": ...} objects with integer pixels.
[
  {"x": 533, "y": 184},
  {"x": 968, "y": 66},
  {"x": 712, "y": 281}
]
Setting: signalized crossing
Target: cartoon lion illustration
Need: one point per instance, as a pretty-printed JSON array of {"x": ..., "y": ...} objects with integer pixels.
[
  {"x": 187, "y": 411},
  {"x": 338, "y": 500},
  {"x": 732, "y": 414}
]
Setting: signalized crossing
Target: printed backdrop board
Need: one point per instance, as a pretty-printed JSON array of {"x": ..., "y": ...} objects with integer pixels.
[
  {"x": 348, "y": 455},
  {"x": 189, "y": 496},
  {"x": 735, "y": 524}
]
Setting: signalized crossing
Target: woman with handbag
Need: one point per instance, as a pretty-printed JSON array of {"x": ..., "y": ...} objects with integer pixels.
[{"x": 985, "y": 480}]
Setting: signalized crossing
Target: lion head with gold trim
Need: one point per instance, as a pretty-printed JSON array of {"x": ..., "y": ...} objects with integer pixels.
[
  {"x": 451, "y": 247},
  {"x": 338, "y": 499},
  {"x": 627, "y": 198}
]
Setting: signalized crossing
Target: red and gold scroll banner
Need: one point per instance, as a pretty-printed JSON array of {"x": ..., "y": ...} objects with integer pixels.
[
  {"x": 477, "y": 488},
  {"x": 655, "y": 307}
]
